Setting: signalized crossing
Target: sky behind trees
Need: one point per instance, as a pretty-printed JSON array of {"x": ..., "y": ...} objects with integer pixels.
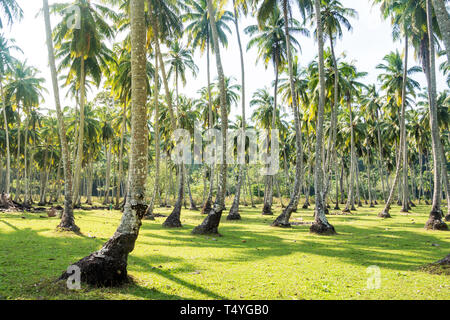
[{"x": 369, "y": 42}]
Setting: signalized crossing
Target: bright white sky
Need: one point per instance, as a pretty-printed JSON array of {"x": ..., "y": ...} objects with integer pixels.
[{"x": 369, "y": 42}]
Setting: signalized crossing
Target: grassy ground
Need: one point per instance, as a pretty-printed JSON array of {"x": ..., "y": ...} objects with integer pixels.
[{"x": 251, "y": 261}]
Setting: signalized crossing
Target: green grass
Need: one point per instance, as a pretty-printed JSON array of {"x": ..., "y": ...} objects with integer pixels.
[{"x": 251, "y": 261}]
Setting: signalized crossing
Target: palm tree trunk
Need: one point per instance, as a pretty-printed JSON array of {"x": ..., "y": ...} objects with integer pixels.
[
  {"x": 207, "y": 206},
  {"x": 405, "y": 202},
  {"x": 283, "y": 219},
  {"x": 77, "y": 172},
  {"x": 320, "y": 224},
  {"x": 18, "y": 180},
  {"x": 435, "y": 221},
  {"x": 211, "y": 223},
  {"x": 149, "y": 213},
  {"x": 120, "y": 159},
  {"x": 67, "y": 218},
  {"x": 234, "y": 210},
  {"x": 108, "y": 266},
  {"x": 350, "y": 201},
  {"x": 8, "y": 152},
  {"x": 443, "y": 19},
  {"x": 108, "y": 172}
]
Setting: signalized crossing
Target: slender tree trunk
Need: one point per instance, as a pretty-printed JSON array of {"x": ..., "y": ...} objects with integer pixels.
[
  {"x": 149, "y": 213},
  {"x": 120, "y": 159},
  {"x": 435, "y": 221},
  {"x": 234, "y": 210},
  {"x": 18, "y": 180},
  {"x": 350, "y": 201},
  {"x": 78, "y": 163},
  {"x": 320, "y": 224},
  {"x": 8, "y": 152},
  {"x": 67, "y": 218},
  {"x": 283, "y": 219},
  {"x": 211, "y": 223},
  {"x": 108, "y": 266},
  {"x": 405, "y": 202},
  {"x": 108, "y": 172}
]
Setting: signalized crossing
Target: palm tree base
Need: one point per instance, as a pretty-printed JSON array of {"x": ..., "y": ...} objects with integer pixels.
[
  {"x": 234, "y": 216},
  {"x": 435, "y": 221},
  {"x": 210, "y": 225},
  {"x": 322, "y": 229},
  {"x": 447, "y": 217},
  {"x": 384, "y": 214},
  {"x": 267, "y": 210},
  {"x": 108, "y": 266},
  {"x": 68, "y": 227}
]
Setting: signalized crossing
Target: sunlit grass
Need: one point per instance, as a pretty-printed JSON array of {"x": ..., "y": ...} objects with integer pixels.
[{"x": 250, "y": 261}]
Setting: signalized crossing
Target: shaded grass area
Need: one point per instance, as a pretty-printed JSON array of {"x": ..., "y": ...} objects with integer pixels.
[{"x": 251, "y": 261}]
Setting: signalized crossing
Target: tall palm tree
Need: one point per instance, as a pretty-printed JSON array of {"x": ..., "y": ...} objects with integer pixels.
[
  {"x": 435, "y": 220},
  {"x": 67, "y": 219},
  {"x": 239, "y": 7},
  {"x": 210, "y": 224},
  {"x": 108, "y": 266},
  {"x": 320, "y": 224},
  {"x": 83, "y": 51},
  {"x": 199, "y": 30},
  {"x": 6, "y": 62},
  {"x": 398, "y": 87},
  {"x": 25, "y": 88},
  {"x": 272, "y": 44}
]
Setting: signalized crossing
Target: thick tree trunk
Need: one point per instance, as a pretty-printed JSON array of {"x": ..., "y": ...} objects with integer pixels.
[
  {"x": 67, "y": 218},
  {"x": 108, "y": 266},
  {"x": 435, "y": 220},
  {"x": 443, "y": 19}
]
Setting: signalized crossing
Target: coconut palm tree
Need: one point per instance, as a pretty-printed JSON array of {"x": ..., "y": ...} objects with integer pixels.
[
  {"x": 272, "y": 45},
  {"x": 211, "y": 223},
  {"x": 83, "y": 51},
  {"x": 108, "y": 266},
  {"x": 320, "y": 224},
  {"x": 199, "y": 31},
  {"x": 398, "y": 88},
  {"x": 67, "y": 219},
  {"x": 6, "y": 62},
  {"x": 24, "y": 87}
]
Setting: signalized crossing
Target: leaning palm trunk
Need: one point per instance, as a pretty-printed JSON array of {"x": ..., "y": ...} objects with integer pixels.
[
  {"x": 435, "y": 221},
  {"x": 67, "y": 218},
  {"x": 443, "y": 20},
  {"x": 211, "y": 223},
  {"x": 320, "y": 224},
  {"x": 108, "y": 266},
  {"x": 8, "y": 152},
  {"x": 234, "y": 211},
  {"x": 283, "y": 219}
]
